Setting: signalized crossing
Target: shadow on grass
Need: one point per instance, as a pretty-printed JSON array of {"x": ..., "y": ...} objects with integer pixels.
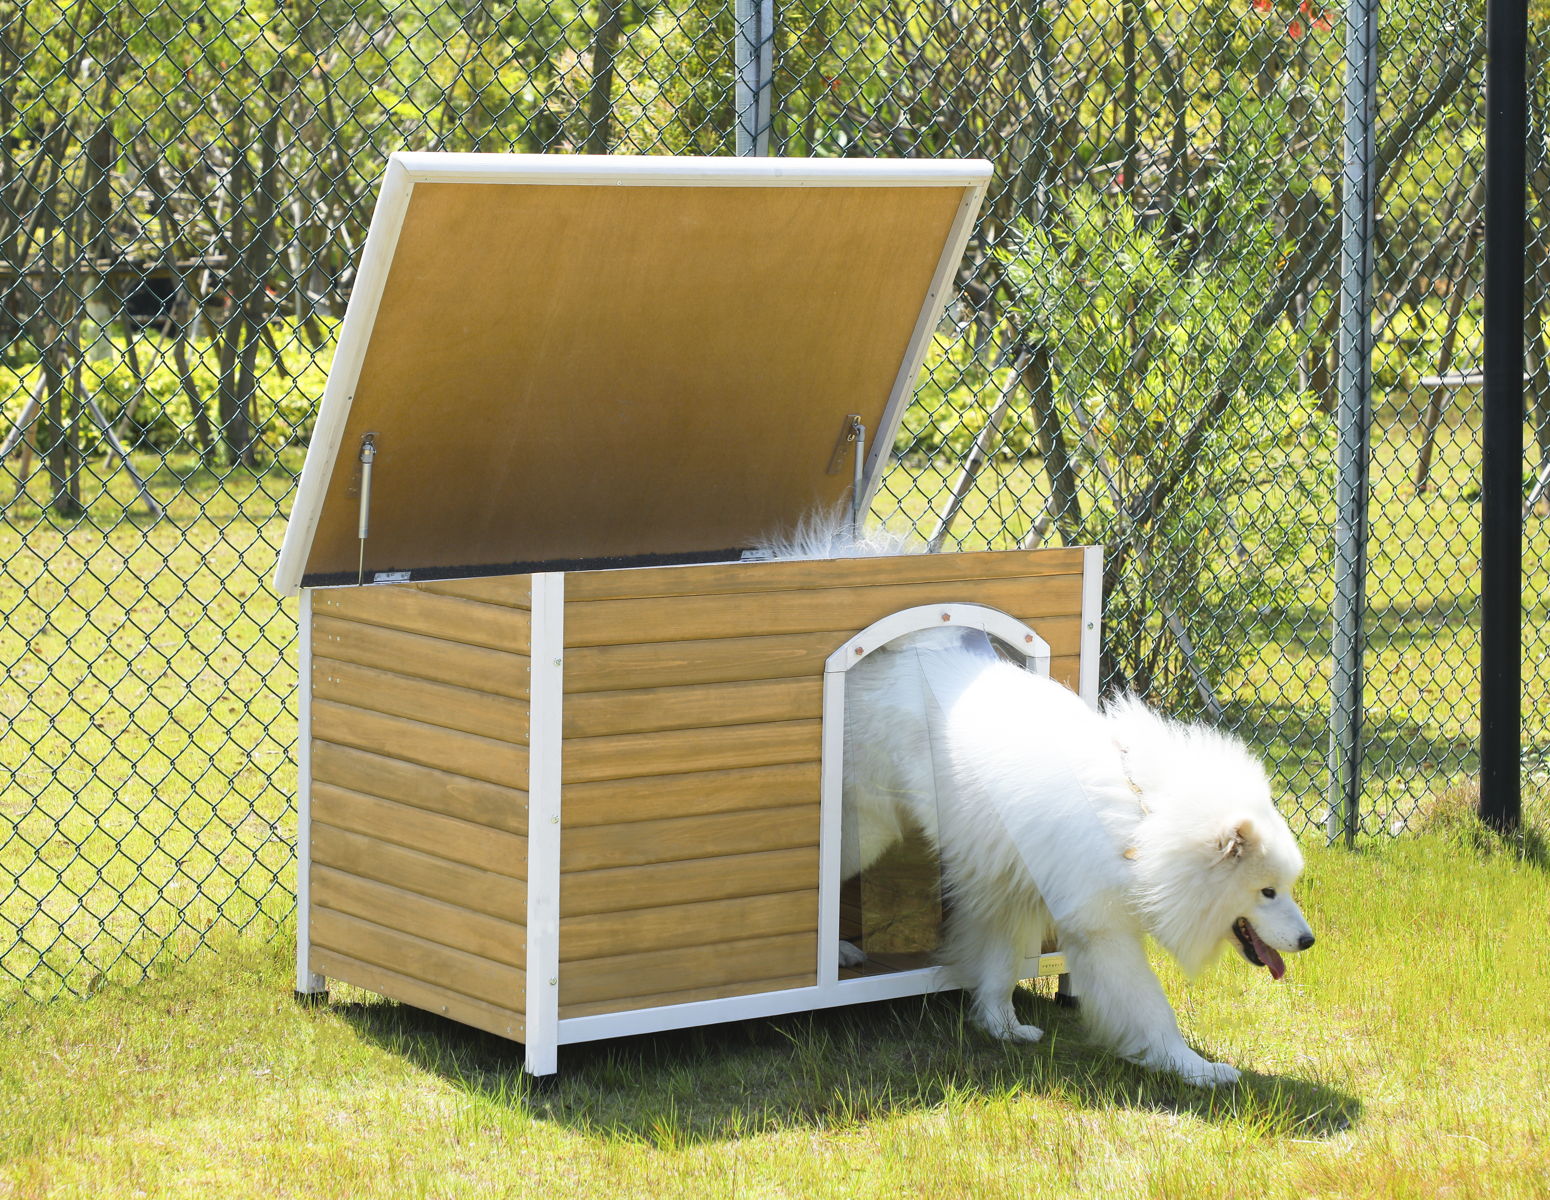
[{"x": 832, "y": 1068}]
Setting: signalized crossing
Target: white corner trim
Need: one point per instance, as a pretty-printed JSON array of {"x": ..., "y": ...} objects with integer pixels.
[
  {"x": 546, "y": 690},
  {"x": 308, "y": 982},
  {"x": 1092, "y": 623},
  {"x": 387, "y": 219}
]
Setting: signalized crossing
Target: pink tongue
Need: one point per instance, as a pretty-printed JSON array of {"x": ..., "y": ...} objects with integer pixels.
[{"x": 1269, "y": 957}]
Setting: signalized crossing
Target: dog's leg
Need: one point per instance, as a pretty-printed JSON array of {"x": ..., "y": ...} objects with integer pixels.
[
  {"x": 986, "y": 952},
  {"x": 1126, "y": 1007}
]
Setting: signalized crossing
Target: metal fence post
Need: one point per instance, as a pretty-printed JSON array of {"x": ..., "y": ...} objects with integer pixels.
[
  {"x": 1501, "y": 458},
  {"x": 754, "y": 59},
  {"x": 1354, "y": 381}
]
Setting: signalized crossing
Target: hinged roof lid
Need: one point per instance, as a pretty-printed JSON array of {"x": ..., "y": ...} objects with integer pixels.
[{"x": 566, "y": 359}]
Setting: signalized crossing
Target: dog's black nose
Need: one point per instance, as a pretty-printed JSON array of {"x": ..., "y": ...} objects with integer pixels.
[{"x": 1305, "y": 941}]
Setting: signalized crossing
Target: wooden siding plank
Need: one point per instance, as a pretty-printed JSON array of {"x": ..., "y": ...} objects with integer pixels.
[
  {"x": 675, "y": 751},
  {"x": 607, "y": 935},
  {"x": 441, "y": 704},
  {"x": 689, "y": 967},
  {"x": 755, "y": 988},
  {"x": 409, "y": 912},
  {"x": 650, "y": 710},
  {"x": 492, "y": 1018},
  {"x": 620, "y": 889},
  {"x": 445, "y": 837},
  {"x": 686, "y": 838},
  {"x": 696, "y": 793},
  {"x": 474, "y": 800},
  {"x": 608, "y": 622},
  {"x": 512, "y": 591},
  {"x": 468, "y": 887},
  {"x": 495, "y": 983},
  {"x": 706, "y": 579},
  {"x": 497, "y": 671},
  {"x": 403, "y": 606},
  {"x": 1066, "y": 669},
  {"x": 724, "y": 660},
  {"x": 718, "y": 660},
  {"x": 414, "y": 741}
]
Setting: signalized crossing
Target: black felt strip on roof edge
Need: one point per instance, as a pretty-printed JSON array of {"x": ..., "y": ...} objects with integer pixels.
[{"x": 486, "y": 570}]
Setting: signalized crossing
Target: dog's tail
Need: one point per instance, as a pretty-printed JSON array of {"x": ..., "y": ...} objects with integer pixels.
[{"x": 829, "y": 534}]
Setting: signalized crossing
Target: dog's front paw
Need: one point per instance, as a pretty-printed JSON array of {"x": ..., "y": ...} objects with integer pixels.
[
  {"x": 851, "y": 956},
  {"x": 1204, "y": 1073},
  {"x": 1008, "y": 1028}
]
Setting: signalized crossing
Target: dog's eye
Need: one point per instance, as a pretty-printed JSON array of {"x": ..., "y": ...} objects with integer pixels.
[{"x": 1268, "y": 893}]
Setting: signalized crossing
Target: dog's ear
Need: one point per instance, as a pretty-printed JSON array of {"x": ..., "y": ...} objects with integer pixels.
[{"x": 1236, "y": 838}]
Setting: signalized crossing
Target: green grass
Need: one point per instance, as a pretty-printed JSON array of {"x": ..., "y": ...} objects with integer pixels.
[{"x": 1405, "y": 1055}]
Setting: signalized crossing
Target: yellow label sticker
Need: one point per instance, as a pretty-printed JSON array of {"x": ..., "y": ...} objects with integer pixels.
[{"x": 1051, "y": 964}]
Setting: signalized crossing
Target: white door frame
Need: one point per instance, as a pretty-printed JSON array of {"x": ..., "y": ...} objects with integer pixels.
[{"x": 1012, "y": 633}]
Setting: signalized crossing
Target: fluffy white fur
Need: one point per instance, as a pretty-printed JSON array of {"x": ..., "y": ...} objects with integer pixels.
[{"x": 1112, "y": 826}]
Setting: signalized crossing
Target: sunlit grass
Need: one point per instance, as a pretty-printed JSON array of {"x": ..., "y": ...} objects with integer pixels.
[{"x": 1405, "y": 1055}]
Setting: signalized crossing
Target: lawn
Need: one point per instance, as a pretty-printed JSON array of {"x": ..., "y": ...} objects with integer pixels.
[{"x": 1405, "y": 1055}]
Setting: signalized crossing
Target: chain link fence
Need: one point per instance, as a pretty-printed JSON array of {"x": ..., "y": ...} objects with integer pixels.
[{"x": 1143, "y": 353}]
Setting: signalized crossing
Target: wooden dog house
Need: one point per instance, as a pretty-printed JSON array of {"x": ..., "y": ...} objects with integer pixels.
[{"x": 569, "y": 765}]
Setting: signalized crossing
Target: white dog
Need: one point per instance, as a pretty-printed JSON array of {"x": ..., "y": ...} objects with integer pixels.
[{"x": 1108, "y": 826}]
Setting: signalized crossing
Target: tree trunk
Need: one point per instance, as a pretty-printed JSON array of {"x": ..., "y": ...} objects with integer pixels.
[
  {"x": 605, "y": 44},
  {"x": 236, "y": 436},
  {"x": 1038, "y": 378},
  {"x": 258, "y": 257}
]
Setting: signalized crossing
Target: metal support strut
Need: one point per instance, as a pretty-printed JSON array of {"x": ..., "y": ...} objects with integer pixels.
[
  {"x": 858, "y": 436},
  {"x": 368, "y": 457}
]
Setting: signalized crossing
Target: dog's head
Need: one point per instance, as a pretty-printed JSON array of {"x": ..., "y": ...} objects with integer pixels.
[
  {"x": 1215, "y": 863},
  {"x": 1263, "y": 870}
]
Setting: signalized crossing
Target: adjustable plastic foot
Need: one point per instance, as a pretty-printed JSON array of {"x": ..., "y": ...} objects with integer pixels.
[
  {"x": 1064, "y": 996},
  {"x": 310, "y": 999}
]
